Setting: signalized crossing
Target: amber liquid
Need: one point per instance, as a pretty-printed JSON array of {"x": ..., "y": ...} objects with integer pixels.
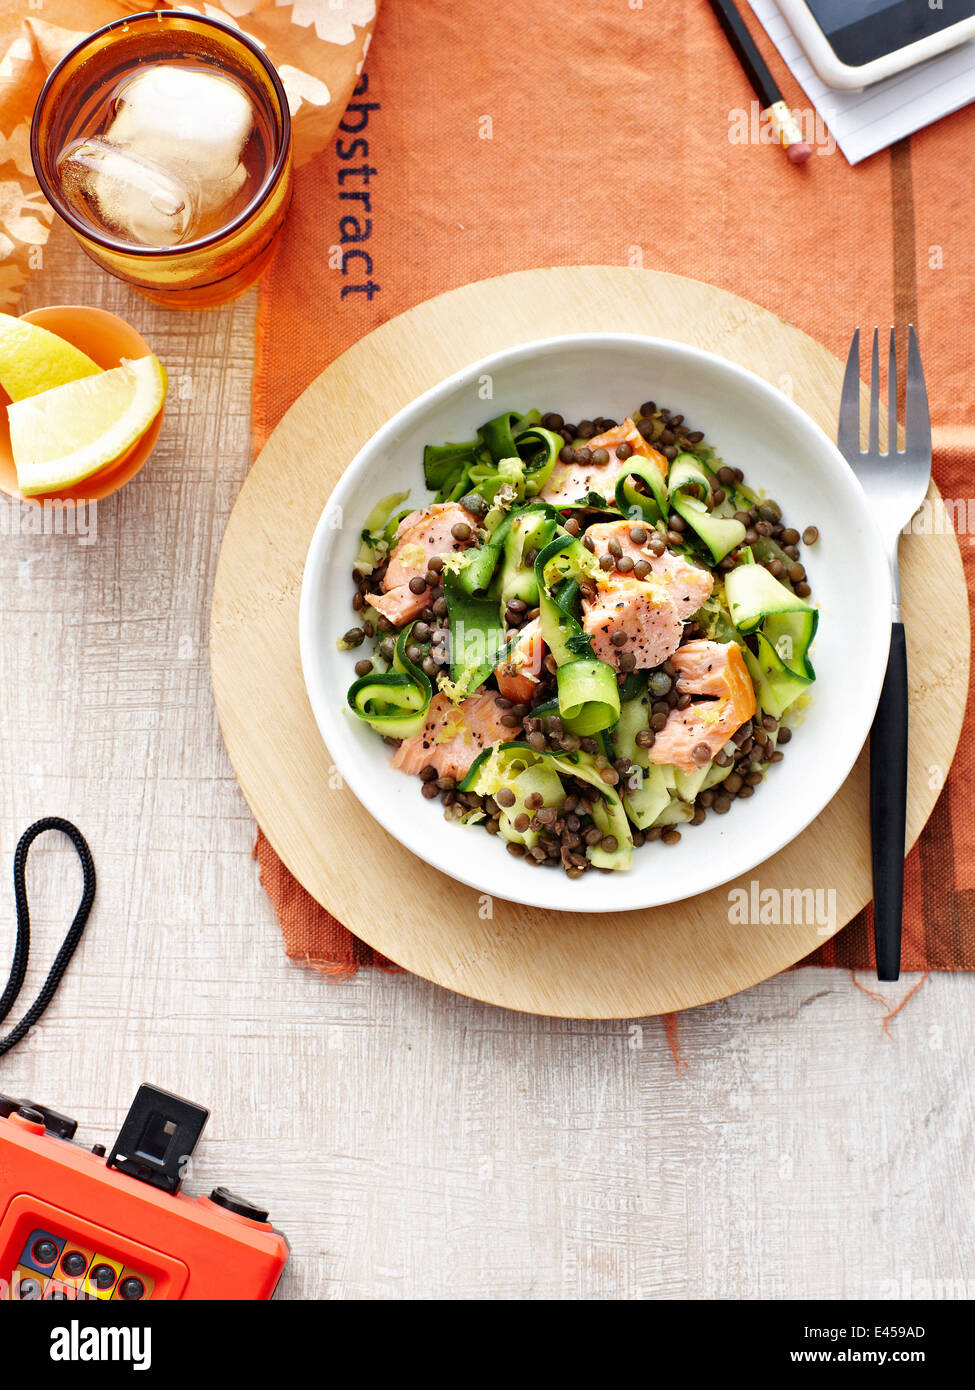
[
  {"x": 217, "y": 241},
  {"x": 102, "y": 115}
]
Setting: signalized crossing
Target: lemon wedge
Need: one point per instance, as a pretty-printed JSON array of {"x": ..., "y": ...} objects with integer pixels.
[
  {"x": 33, "y": 359},
  {"x": 64, "y": 435}
]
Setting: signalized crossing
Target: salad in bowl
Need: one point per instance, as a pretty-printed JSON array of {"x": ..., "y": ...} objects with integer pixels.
[{"x": 588, "y": 636}]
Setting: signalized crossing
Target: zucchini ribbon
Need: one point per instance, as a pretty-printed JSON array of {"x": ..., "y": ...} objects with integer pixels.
[
  {"x": 394, "y": 702},
  {"x": 588, "y": 693},
  {"x": 511, "y": 448},
  {"x": 687, "y": 491},
  {"x": 782, "y": 626}
]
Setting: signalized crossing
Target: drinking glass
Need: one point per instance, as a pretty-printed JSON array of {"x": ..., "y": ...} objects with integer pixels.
[{"x": 212, "y": 260}]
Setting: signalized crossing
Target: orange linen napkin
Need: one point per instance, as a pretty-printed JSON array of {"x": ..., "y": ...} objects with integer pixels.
[
  {"x": 317, "y": 45},
  {"x": 488, "y": 138}
]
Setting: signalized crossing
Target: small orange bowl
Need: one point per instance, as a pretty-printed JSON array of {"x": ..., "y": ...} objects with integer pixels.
[{"x": 106, "y": 339}]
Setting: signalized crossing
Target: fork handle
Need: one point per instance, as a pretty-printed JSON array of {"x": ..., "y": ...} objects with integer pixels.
[{"x": 888, "y": 808}]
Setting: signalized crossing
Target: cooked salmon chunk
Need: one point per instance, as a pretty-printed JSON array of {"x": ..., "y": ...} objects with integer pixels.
[
  {"x": 518, "y": 676},
  {"x": 643, "y": 610},
  {"x": 420, "y": 537},
  {"x": 690, "y": 584},
  {"x": 453, "y": 735},
  {"x": 570, "y": 483},
  {"x": 716, "y": 671},
  {"x": 650, "y": 610}
]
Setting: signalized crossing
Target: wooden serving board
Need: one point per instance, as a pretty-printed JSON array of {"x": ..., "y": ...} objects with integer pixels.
[{"x": 571, "y": 965}]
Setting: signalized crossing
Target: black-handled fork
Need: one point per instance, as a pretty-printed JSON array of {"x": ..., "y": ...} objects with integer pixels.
[{"x": 895, "y": 483}]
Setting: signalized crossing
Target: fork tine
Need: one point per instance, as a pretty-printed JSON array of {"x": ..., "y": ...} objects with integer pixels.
[
  {"x": 917, "y": 421},
  {"x": 848, "y": 434},
  {"x": 873, "y": 438},
  {"x": 892, "y": 395}
]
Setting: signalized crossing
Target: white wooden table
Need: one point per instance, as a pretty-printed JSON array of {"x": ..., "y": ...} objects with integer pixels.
[{"x": 411, "y": 1143}]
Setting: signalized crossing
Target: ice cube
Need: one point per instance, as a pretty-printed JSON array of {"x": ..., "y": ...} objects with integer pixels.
[
  {"x": 130, "y": 196},
  {"x": 180, "y": 115}
]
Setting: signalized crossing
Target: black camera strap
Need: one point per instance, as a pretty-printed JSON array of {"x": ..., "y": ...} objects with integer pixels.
[{"x": 18, "y": 969}]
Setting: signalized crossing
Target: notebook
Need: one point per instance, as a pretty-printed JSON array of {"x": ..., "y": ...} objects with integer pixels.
[{"x": 864, "y": 122}]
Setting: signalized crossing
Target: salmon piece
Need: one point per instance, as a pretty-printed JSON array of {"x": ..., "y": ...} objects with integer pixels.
[
  {"x": 400, "y": 605},
  {"x": 690, "y": 584},
  {"x": 518, "y": 676},
  {"x": 454, "y": 735},
  {"x": 651, "y": 611},
  {"x": 422, "y": 535},
  {"x": 570, "y": 482},
  {"x": 642, "y": 608},
  {"x": 419, "y": 537},
  {"x": 714, "y": 669}
]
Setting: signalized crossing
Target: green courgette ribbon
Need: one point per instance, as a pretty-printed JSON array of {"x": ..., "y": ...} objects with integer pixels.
[
  {"x": 781, "y": 626},
  {"x": 478, "y": 638},
  {"x": 452, "y": 470},
  {"x": 650, "y": 507},
  {"x": 588, "y": 693},
  {"x": 395, "y": 702},
  {"x": 688, "y": 490}
]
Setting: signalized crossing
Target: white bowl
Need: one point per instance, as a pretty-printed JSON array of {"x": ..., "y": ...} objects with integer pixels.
[{"x": 751, "y": 426}]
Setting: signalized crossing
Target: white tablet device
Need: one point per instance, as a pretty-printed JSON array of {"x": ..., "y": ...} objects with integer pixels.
[{"x": 852, "y": 43}]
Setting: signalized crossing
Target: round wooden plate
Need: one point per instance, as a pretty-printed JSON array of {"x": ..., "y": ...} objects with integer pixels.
[{"x": 571, "y": 965}]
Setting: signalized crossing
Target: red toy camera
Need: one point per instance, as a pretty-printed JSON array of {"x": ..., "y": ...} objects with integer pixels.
[{"x": 75, "y": 1224}]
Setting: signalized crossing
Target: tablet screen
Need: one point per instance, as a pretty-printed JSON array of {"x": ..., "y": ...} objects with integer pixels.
[{"x": 861, "y": 30}]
